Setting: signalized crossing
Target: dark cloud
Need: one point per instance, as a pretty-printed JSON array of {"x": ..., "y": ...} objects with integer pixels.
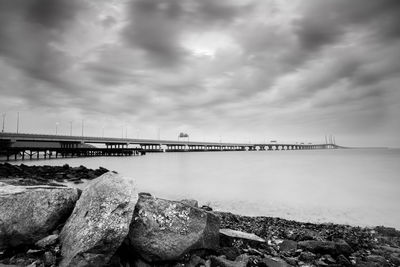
[
  {"x": 31, "y": 34},
  {"x": 153, "y": 28},
  {"x": 52, "y": 13},
  {"x": 325, "y": 22}
]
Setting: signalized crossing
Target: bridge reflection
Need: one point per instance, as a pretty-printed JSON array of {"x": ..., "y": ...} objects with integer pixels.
[{"x": 31, "y": 146}]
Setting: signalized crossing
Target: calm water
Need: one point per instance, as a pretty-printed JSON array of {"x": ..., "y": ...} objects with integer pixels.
[{"x": 358, "y": 187}]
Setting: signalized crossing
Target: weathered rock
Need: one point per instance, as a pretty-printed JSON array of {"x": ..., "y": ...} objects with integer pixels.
[
  {"x": 47, "y": 241},
  {"x": 28, "y": 214},
  {"x": 165, "y": 230},
  {"x": 100, "y": 221}
]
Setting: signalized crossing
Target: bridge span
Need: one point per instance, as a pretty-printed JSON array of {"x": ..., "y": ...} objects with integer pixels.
[{"x": 22, "y": 146}]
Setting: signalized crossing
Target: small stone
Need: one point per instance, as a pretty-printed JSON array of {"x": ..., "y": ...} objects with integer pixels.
[
  {"x": 291, "y": 260},
  {"x": 37, "y": 263},
  {"x": 342, "y": 247},
  {"x": 307, "y": 256},
  {"x": 328, "y": 259},
  {"x": 47, "y": 241},
  {"x": 222, "y": 262},
  {"x": 141, "y": 263},
  {"x": 231, "y": 253},
  {"x": 34, "y": 251},
  {"x": 322, "y": 247},
  {"x": 190, "y": 202},
  {"x": 377, "y": 258},
  {"x": 195, "y": 261},
  {"x": 274, "y": 262},
  {"x": 206, "y": 208},
  {"x": 394, "y": 257},
  {"x": 241, "y": 235},
  {"x": 49, "y": 259},
  {"x": 343, "y": 260},
  {"x": 288, "y": 245},
  {"x": 144, "y": 194},
  {"x": 320, "y": 262}
]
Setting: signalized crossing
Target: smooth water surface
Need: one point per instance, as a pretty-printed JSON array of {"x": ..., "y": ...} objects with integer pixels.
[{"x": 352, "y": 186}]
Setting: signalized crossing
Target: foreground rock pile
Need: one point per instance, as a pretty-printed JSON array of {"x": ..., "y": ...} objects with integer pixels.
[
  {"x": 110, "y": 224},
  {"x": 46, "y": 175},
  {"x": 307, "y": 244}
]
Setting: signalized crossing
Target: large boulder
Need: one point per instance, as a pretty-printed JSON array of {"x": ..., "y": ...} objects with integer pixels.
[
  {"x": 100, "y": 221},
  {"x": 29, "y": 213},
  {"x": 164, "y": 230}
]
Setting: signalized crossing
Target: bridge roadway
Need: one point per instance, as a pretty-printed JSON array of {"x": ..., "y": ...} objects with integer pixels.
[{"x": 20, "y": 145}]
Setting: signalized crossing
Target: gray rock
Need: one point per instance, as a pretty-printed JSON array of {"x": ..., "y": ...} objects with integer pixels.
[
  {"x": 165, "y": 230},
  {"x": 100, "y": 221},
  {"x": 29, "y": 213},
  {"x": 47, "y": 241}
]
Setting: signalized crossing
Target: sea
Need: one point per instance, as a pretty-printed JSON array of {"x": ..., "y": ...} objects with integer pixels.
[{"x": 358, "y": 187}]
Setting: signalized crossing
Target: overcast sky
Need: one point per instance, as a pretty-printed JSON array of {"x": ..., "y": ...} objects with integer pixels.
[{"x": 232, "y": 70}]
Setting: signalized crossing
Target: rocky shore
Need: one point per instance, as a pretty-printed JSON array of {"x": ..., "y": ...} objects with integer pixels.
[{"x": 44, "y": 222}]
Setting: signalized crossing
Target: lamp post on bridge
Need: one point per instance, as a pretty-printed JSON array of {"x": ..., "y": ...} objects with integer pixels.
[
  {"x": 83, "y": 125},
  {"x": 70, "y": 128},
  {"x": 57, "y": 127},
  {"x": 4, "y": 119},
  {"x": 18, "y": 122}
]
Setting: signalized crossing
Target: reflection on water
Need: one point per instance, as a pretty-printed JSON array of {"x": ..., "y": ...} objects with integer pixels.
[{"x": 359, "y": 187}]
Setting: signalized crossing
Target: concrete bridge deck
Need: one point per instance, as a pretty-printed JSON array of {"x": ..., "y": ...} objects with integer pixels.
[{"x": 21, "y": 145}]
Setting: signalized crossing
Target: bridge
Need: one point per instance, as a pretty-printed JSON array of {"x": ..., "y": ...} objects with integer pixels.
[{"x": 22, "y": 145}]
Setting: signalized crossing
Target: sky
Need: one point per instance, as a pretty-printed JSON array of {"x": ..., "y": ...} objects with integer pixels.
[{"x": 229, "y": 70}]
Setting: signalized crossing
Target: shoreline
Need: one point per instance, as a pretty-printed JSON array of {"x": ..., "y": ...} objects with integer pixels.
[{"x": 288, "y": 240}]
